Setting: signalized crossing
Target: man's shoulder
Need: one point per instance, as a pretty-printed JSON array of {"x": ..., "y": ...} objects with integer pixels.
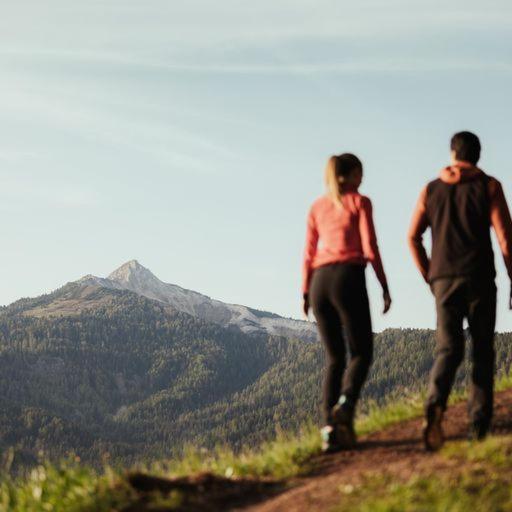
[
  {"x": 492, "y": 180},
  {"x": 432, "y": 184},
  {"x": 494, "y": 187}
]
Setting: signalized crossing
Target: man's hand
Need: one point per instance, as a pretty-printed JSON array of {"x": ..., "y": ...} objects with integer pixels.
[
  {"x": 305, "y": 305},
  {"x": 386, "y": 297}
]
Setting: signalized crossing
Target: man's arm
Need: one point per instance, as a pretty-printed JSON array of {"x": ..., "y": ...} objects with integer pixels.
[
  {"x": 419, "y": 224},
  {"x": 501, "y": 223}
]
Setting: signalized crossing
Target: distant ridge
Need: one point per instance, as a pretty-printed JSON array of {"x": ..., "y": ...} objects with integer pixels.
[{"x": 135, "y": 277}]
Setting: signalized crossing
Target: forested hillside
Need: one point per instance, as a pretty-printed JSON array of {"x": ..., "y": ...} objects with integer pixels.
[{"x": 121, "y": 374}]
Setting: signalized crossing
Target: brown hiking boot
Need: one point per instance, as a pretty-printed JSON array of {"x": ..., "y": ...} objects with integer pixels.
[
  {"x": 343, "y": 418},
  {"x": 478, "y": 431},
  {"x": 346, "y": 436},
  {"x": 433, "y": 436},
  {"x": 343, "y": 412}
]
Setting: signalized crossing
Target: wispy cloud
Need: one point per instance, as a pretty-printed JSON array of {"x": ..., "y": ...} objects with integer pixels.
[
  {"x": 17, "y": 193},
  {"x": 110, "y": 123},
  {"x": 284, "y": 63},
  {"x": 13, "y": 156},
  {"x": 141, "y": 28}
]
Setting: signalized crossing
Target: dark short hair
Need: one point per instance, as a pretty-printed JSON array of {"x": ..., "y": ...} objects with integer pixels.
[
  {"x": 346, "y": 163},
  {"x": 466, "y": 146}
]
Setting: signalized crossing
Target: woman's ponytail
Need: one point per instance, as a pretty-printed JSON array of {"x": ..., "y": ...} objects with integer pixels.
[{"x": 337, "y": 172}]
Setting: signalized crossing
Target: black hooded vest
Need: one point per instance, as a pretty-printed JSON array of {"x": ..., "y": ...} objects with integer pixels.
[{"x": 459, "y": 217}]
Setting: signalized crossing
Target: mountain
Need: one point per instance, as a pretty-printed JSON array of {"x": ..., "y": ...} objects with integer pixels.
[
  {"x": 138, "y": 279},
  {"x": 96, "y": 370}
]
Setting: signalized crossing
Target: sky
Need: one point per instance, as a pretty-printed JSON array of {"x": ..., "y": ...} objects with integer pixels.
[{"x": 192, "y": 135}]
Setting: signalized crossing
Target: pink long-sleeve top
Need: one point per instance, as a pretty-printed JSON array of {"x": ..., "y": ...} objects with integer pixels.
[{"x": 345, "y": 235}]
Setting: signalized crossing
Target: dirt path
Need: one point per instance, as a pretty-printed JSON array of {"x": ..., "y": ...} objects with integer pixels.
[{"x": 397, "y": 451}]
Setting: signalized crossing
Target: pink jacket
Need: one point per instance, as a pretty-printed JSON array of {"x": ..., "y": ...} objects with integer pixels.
[{"x": 345, "y": 235}]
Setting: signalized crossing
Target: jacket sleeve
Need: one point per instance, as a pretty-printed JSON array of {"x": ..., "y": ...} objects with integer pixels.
[
  {"x": 369, "y": 241},
  {"x": 418, "y": 226},
  {"x": 501, "y": 222},
  {"x": 310, "y": 248}
]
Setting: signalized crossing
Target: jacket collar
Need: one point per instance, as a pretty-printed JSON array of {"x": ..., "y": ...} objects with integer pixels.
[{"x": 460, "y": 172}]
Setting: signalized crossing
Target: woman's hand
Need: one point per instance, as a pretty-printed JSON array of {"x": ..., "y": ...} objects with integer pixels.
[
  {"x": 386, "y": 297},
  {"x": 305, "y": 305}
]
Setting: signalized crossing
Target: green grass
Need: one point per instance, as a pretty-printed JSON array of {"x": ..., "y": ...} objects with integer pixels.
[
  {"x": 67, "y": 487},
  {"x": 72, "y": 487},
  {"x": 478, "y": 480},
  {"x": 287, "y": 456}
]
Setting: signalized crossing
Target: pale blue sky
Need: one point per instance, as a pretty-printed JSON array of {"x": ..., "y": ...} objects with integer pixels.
[{"x": 192, "y": 135}]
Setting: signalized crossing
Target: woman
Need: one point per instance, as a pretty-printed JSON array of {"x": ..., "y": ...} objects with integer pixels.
[{"x": 340, "y": 240}]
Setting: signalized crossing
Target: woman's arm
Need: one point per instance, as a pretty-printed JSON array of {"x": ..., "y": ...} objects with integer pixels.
[
  {"x": 309, "y": 250},
  {"x": 369, "y": 241}
]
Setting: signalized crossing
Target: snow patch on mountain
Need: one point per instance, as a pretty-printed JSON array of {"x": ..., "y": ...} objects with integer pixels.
[{"x": 138, "y": 279}]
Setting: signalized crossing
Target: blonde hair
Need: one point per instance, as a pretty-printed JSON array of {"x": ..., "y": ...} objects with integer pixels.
[{"x": 337, "y": 170}]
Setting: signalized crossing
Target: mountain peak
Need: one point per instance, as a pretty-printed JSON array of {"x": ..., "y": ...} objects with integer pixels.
[
  {"x": 130, "y": 271},
  {"x": 134, "y": 277}
]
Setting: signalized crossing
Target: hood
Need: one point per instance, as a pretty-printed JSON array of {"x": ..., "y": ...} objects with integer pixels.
[{"x": 460, "y": 172}]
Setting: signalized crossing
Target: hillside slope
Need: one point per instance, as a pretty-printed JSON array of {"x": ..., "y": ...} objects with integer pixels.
[
  {"x": 393, "y": 463},
  {"x": 122, "y": 375},
  {"x": 389, "y": 471}
]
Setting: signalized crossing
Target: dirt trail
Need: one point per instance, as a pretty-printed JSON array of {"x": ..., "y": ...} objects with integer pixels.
[{"x": 397, "y": 451}]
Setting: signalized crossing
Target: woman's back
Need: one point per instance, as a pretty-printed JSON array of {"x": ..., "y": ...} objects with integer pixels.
[
  {"x": 338, "y": 229},
  {"x": 341, "y": 233}
]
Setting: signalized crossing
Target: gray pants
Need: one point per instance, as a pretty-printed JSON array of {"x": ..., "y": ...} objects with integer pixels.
[{"x": 456, "y": 299}]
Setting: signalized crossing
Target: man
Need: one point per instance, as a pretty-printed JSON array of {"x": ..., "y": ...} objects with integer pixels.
[{"x": 460, "y": 207}]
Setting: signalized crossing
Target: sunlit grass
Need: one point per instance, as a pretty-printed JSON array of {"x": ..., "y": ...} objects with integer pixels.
[
  {"x": 71, "y": 487},
  {"x": 480, "y": 481},
  {"x": 64, "y": 487}
]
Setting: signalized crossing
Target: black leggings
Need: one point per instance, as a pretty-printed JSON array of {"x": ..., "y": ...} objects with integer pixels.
[{"x": 340, "y": 304}]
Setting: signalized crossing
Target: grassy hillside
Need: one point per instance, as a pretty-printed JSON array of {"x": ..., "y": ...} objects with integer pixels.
[
  {"x": 481, "y": 474},
  {"x": 72, "y": 486},
  {"x": 475, "y": 477}
]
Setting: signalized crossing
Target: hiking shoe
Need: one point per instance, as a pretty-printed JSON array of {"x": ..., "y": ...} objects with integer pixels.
[
  {"x": 329, "y": 441},
  {"x": 433, "y": 432},
  {"x": 343, "y": 418},
  {"x": 337, "y": 437},
  {"x": 345, "y": 436},
  {"x": 477, "y": 431},
  {"x": 343, "y": 412}
]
